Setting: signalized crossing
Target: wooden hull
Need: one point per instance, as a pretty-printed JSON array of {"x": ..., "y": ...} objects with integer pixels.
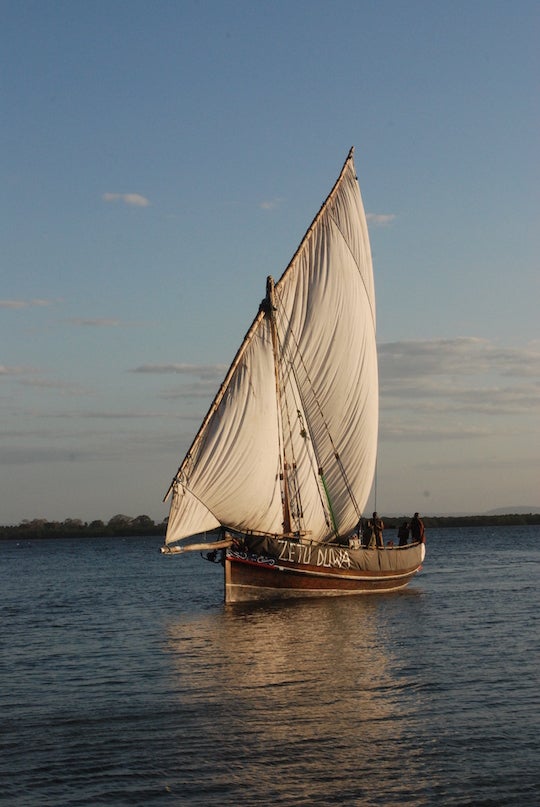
[{"x": 248, "y": 577}]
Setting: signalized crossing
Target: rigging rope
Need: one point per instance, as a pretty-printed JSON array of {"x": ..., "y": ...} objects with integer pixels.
[{"x": 287, "y": 328}]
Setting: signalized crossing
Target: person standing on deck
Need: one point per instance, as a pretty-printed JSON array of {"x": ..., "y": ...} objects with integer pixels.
[
  {"x": 417, "y": 530},
  {"x": 403, "y": 534},
  {"x": 376, "y": 526}
]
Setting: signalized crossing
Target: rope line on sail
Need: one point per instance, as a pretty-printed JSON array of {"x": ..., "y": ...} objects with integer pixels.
[
  {"x": 175, "y": 484},
  {"x": 295, "y": 498},
  {"x": 320, "y": 469},
  {"x": 288, "y": 459},
  {"x": 288, "y": 328},
  {"x": 287, "y": 368},
  {"x": 332, "y": 515},
  {"x": 296, "y": 511},
  {"x": 270, "y": 312},
  {"x": 292, "y": 479}
]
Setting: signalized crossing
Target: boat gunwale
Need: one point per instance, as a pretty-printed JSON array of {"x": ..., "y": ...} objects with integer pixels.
[{"x": 308, "y": 570}]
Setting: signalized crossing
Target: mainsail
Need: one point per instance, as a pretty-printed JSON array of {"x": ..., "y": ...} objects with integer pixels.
[{"x": 289, "y": 443}]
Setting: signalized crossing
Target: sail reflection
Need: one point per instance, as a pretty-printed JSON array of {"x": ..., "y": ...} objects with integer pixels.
[{"x": 293, "y": 687}]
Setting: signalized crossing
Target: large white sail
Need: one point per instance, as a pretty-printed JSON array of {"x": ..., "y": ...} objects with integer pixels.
[{"x": 295, "y": 420}]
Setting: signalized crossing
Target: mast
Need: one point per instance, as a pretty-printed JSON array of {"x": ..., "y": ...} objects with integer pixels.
[{"x": 270, "y": 309}]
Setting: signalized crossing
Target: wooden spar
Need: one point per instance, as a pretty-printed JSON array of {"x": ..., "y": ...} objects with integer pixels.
[
  {"x": 270, "y": 309},
  {"x": 202, "y": 547}
]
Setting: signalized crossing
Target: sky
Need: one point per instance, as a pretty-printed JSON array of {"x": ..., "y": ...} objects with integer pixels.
[{"x": 160, "y": 159}]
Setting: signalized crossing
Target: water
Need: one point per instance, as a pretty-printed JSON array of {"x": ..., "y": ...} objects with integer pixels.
[{"x": 124, "y": 680}]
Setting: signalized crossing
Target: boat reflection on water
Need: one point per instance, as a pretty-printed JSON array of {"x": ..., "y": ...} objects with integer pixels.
[{"x": 296, "y": 701}]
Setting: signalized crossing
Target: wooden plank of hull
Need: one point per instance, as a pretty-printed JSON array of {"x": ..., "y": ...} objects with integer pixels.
[{"x": 246, "y": 581}]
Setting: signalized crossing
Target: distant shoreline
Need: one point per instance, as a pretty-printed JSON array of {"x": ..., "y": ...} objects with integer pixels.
[{"x": 123, "y": 526}]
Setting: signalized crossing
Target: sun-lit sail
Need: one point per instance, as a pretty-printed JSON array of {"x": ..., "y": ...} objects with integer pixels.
[{"x": 289, "y": 443}]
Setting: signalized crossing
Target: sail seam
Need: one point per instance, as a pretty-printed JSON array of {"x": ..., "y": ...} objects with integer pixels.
[
  {"x": 355, "y": 261},
  {"x": 328, "y": 515}
]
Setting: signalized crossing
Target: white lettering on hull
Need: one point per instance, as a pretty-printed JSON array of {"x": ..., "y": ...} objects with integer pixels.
[
  {"x": 264, "y": 560},
  {"x": 328, "y": 557}
]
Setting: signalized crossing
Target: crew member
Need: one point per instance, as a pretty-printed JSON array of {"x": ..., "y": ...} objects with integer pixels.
[
  {"x": 417, "y": 530},
  {"x": 403, "y": 534},
  {"x": 376, "y": 526}
]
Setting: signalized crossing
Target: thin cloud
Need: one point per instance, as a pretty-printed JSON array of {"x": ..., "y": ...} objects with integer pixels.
[
  {"x": 33, "y": 377},
  {"x": 22, "y": 456},
  {"x": 270, "y": 204},
  {"x": 118, "y": 415},
  {"x": 15, "y": 305},
  {"x": 485, "y": 402},
  {"x": 106, "y": 415},
  {"x": 380, "y": 219},
  {"x": 130, "y": 199},
  {"x": 481, "y": 463},
  {"x": 196, "y": 390},
  {"x": 96, "y": 322},
  {"x": 462, "y": 356},
  {"x": 399, "y": 431},
  {"x": 15, "y": 371},
  {"x": 64, "y": 387},
  {"x": 442, "y": 381},
  {"x": 204, "y": 371}
]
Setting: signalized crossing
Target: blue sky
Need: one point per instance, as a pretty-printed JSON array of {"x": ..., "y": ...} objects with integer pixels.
[{"x": 160, "y": 159}]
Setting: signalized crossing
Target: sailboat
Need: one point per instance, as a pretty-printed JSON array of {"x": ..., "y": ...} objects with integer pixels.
[{"x": 276, "y": 480}]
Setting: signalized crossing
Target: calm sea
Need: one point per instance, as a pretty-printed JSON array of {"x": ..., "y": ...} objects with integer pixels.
[{"x": 125, "y": 681}]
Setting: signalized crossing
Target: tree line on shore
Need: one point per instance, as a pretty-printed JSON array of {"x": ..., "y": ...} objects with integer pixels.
[{"x": 121, "y": 525}]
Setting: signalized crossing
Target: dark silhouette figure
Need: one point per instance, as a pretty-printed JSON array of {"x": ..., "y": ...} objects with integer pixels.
[
  {"x": 403, "y": 534},
  {"x": 417, "y": 530}
]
